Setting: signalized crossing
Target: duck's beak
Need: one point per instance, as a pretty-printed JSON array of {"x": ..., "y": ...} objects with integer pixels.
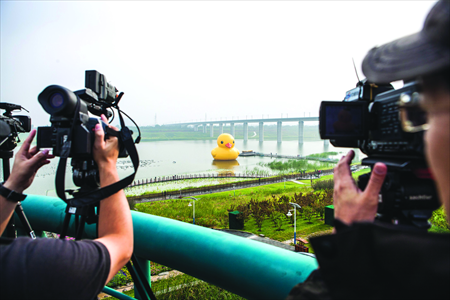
[{"x": 228, "y": 145}]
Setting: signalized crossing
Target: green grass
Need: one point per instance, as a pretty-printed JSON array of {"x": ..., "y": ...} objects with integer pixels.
[
  {"x": 186, "y": 287},
  {"x": 212, "y": 209},
  {"x": 294, "y": 165},
  {"x": 323, "y": 155}
]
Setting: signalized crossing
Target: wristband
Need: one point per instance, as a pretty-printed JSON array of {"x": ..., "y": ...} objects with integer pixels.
[{"x": 11, "y": 195}]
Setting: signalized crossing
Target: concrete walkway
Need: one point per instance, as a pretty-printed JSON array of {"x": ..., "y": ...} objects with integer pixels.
[
  {"x": 285, "y": 245},
  {"x": 298, "y": 182}
]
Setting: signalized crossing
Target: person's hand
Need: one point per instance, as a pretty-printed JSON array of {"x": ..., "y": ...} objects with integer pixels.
[
  {"x": 105, "y": 152},
  {"x": 350, "y": 203},
  {"x": 26, "y": 164}
]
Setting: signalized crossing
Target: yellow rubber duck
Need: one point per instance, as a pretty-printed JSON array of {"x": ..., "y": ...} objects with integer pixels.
[{"x": 226, "y": 150}]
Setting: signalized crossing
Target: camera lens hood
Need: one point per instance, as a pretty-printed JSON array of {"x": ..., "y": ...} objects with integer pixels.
[{"x": 58, "y": 101}]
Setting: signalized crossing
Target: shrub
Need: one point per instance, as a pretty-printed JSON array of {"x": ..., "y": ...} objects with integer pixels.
[
  {"x": 258, "y": 210},
  {"x": 278, "y": 219},
  {"x": 120, "y": 279},
  {"x": 439, "y": 219},
  {"x": 323, "y": 185},
  {"x": 308, "y": 213}
]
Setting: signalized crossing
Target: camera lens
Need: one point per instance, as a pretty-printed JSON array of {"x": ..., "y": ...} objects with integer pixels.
[{"x": 56, "y": 100}]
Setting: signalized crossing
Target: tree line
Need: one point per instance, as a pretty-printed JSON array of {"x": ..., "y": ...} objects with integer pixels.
[{"x": 276, "y": 208}]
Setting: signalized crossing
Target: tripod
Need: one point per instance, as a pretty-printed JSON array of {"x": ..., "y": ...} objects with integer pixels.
[
  {"x": 88, "y": 214},
  {"x": 10, "y": 230}
]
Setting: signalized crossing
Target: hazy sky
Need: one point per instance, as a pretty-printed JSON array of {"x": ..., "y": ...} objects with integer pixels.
[{"x": 183, "y": 60}]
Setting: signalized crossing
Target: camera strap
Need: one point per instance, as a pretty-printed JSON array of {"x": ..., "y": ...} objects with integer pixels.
[
  {"x": 94, "y": 196},
  {"x": 102, "y": 193},
  {"x": 65, "y": 152}
]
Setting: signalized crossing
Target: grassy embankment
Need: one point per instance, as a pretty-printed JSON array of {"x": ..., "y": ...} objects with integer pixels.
[{"x": 212, "y": 209}]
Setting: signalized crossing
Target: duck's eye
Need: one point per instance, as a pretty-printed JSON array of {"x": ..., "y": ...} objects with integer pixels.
[
  {"x": 221, "y": 142},
  {"x": 233, "y": 142}
]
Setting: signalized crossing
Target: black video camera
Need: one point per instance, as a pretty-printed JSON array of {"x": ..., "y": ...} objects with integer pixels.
[
  {"x": 369, "y": 119},
  {"x": 11, "y": 126},
  {"x": 71, "y": 133}
]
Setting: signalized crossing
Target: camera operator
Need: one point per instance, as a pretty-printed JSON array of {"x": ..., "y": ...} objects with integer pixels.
[
  {"x": 59, "y": 269},
  {"x": 367, "y": 260}
]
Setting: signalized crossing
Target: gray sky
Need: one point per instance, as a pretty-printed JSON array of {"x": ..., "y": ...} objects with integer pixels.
[{"x": 182, "y": 60}]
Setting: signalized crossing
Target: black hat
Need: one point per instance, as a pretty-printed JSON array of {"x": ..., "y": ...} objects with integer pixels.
[{"x": 422, "y": 53}]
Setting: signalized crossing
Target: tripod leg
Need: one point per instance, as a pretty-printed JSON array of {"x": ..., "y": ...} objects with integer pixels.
[
  {"x": 65, "y": 226},
  {"x": 21, "y": 214},
  {"x": 141, "y": 279},
  {"x": 137, "y": 282},
  {"x": 80, "y": 228}
]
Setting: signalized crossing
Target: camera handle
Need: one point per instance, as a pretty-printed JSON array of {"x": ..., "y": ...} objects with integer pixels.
[{"x": 11, "y": 227}]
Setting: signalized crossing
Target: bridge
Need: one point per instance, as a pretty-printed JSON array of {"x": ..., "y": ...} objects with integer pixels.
[{"x": 261, "y": 122}]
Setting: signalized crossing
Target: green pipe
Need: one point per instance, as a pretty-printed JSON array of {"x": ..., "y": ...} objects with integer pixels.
[
  {"x": 251, "y": 269},
  {"x": 114, "y": 293}
]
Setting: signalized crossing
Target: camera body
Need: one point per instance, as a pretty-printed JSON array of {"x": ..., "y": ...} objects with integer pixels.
[
  {"x": 370, "y": 122},
  {"x": 12, "y": 125},
  {"x": 71, "y": 133},
  {"x": 368, "y": 119},
  {"x": 69, "y": 114}
]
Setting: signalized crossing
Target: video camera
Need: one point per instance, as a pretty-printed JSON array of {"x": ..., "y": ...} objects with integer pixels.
[
  {"x": 71, "y": 133},
  {"x": 11, "y": 126},
  {"x": 369, "y": 118}
]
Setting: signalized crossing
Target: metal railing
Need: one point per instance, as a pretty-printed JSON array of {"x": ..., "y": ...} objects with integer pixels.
[{"x": 242, "y": 266}]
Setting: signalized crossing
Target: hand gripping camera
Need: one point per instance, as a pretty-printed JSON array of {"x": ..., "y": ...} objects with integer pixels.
[
  {"x": 71, "y": 133},
  {"x": 388, "y": 126}
]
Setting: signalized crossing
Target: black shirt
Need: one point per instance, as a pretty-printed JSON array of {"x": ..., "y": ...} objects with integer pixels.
[{"x": 52, "y": 269}]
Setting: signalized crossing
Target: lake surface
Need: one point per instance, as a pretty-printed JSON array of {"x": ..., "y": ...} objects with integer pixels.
[{"x": 167, "y": 158}]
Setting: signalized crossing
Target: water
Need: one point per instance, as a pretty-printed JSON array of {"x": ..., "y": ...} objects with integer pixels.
[{"x": 166, "y": 158}]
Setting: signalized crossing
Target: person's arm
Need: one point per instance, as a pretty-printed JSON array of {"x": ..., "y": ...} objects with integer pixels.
[
  {"x": 115, "y": 227},
  {"x": 26, "y": 163},
  {"x": 350, "y": 203}
]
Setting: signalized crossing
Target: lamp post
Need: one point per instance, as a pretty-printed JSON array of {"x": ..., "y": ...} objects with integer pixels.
[
  {"x": 193, "y": 201},
  {"x": 234, "y": 188},
  {"x": 295, "y": 205},
  {"x": 284, "y": 179}
]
